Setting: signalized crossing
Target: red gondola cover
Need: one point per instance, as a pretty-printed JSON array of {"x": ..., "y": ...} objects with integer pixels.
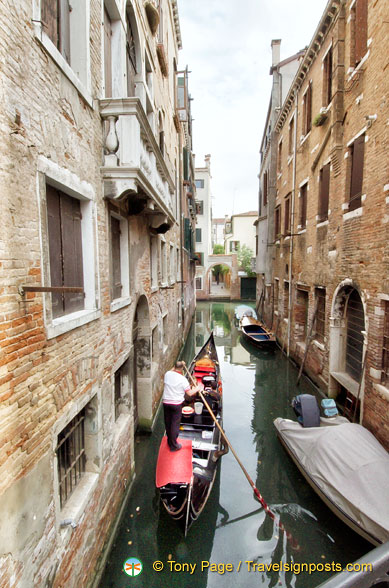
[{"x": 174, "y": 467}]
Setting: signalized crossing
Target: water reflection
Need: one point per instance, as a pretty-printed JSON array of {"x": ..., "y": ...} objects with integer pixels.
[{"x": 233, "y": 527}]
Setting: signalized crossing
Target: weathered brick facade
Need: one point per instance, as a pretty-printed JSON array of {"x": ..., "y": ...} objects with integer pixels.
[
  {"x": 332, "y": 185},
  {"x": 105, "y": 360}
]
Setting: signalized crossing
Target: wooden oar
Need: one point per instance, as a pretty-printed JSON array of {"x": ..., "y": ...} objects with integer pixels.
[{"x": 250, "y": 481}]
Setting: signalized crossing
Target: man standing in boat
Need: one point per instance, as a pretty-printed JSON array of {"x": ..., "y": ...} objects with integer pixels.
[{"x": 175, "y": 388}]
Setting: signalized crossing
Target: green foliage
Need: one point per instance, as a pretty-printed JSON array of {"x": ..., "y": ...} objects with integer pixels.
[
  {"x": 218, "y": 249},
  {"x": 220, "y": 270},
  {"x": 245, "y": 254}
]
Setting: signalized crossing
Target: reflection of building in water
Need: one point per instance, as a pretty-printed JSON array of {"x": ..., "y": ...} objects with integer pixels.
[{"x": 239, "y": 355}]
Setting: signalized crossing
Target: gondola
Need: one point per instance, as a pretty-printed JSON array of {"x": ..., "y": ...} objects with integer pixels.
[
  {"x": 185, "y": 478},
  {"x": 256, "y": 333}
]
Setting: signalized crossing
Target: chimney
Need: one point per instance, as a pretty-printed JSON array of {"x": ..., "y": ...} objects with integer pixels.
[
  {"x": 207, "y": 159},
  {"x": 275, "y": 48}
]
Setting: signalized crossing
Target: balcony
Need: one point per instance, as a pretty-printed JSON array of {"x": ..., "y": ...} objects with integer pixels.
[{"x": 134, "y": 166}]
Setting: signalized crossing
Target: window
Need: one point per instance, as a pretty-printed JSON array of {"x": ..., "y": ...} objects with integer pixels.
[
  {"x": 234, "y": 246},
  {"x": 358, "y": 31},
  {"x": 287, "y": 215},
  {"x": 198, "y": 235},
  {"x": 357, "y": 151},
  {"x": 385, "y": 347},
  {"x": 178, "y": 264},
  {"x": 291, "y": 137},
  {"x": 154, "y": 262},
  {"x": 327, "y": 78},
  {"x": 63, "y": 30},
  {"x": 161, "y": 134},
  {"x": 320, "y": 300},
  {"x": 107, "y": 54},
  {"x": 165, "y": 330},
  {"x": 119, "y": 260},
  {"x": 303, "y": 206},
  {"x": 307, "y": 110},
  {"x": 324, "y": 192},
  {"x": 56, "y": 18},
  {"x": 199, "y": 317},
  {"x": 121, "y": 388},
  {"x": 130, "y": 57},
  {"x": 199, "y": 184},
  {"x": 155, "y": 343},
  {"x": 265, "y": 188},
  {"x": 277, "y": 222},
  {"x": 279, "y": 157},
  {"x": 301, "y": 314},
  {"x": 199, "y": 283},
  {"x": 65, "y": 247},
  {"x": 276, "y": 295},
  {"x": 172, "y": 264},
  {"x": 199, "y": 207},
  {"x": 163, "y": 262},
  {"x": 286, "y": 299},
  {"x": 71, "y": 458}
]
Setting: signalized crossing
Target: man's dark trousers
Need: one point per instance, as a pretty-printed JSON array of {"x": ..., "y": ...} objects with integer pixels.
[{"x": 172, "y": 415}]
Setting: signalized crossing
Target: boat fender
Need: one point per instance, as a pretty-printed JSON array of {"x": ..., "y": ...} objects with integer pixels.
[{"x": 220, "y": 387}]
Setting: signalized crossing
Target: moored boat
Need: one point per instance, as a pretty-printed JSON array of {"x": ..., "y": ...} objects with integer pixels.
[
  {"x": 185, "y": 478},
  {"x": 256, "y": 333},
  {"x": 347, "y": 467}
]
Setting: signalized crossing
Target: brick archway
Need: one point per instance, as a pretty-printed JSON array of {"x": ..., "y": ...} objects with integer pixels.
[{"x": 231, "y": 261}]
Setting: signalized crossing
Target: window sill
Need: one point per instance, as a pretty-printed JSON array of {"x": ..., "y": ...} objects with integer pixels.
[
  {"x": 382, "y": 390},
  {"x": 64, "y": 66},
  {"x": 71, "y": 321},
  {"x": 154, "y": 289},
  {"x": 302, "y": 231},
  {"x": 119, "y": 303},
  {"x": 121, "y": 426},
  {"x": 353, "y": 214},
  {"x": 321, "y": 223},
  {"x": 75, "y": 507},
  {"x": 304, "y": 138},
  {"x": 346, "y": 381},
  {"x": 318, "y": 345}
]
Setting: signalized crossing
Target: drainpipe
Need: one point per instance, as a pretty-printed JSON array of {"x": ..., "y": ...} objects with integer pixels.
[
  {"x": 180, "y": 193},
  {"x": 291, "y": 227}
]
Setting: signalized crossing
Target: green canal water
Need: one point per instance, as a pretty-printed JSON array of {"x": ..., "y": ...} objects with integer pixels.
[{"x": 233, "y": 528}]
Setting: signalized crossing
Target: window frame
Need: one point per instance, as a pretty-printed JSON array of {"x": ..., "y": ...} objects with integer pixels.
[
  {"x": 324, "y": 192},
  {"x": 357, "y": 164},
  {"x": 62, "y": 179},
  {"x": 125, "y": 298},
  {"x": 303, "y": 204},
  {"x": 327, "y": 77},
  {"x": 307, "y": 110},
  {"x": 78, "y": 71}
]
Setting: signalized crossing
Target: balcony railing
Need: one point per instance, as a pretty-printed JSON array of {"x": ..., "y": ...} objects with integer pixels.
[{"x": 133, "y": 163}]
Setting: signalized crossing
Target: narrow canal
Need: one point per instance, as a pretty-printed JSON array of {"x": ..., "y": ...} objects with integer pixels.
[{"x": 233, "y": 528}]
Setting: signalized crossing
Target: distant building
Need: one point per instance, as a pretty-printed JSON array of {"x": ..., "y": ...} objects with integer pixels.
[
  {"x": 203, "y": 238},
  {"x": 218, "y": 225},
  {"x": 240, "y": 230}
]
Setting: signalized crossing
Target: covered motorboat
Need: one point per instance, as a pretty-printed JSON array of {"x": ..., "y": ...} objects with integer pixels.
[
  {"x": 347, "y": 467},
  {"x": 243, "y": 310},
  {"x": 185, "y": 478}
]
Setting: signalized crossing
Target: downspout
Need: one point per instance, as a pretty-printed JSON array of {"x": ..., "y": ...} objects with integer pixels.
[{"x": 291, "y": 226}]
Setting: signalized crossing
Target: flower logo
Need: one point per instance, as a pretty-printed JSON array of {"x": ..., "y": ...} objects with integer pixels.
[{"x": 132, "y": 566}]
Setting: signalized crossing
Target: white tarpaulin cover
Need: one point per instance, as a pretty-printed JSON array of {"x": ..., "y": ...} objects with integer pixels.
[{"x": 350, "y": 467}]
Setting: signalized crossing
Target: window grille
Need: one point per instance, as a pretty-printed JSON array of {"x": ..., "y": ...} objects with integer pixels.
[
  {"x": 71, "y": 456},
  {"x": 320, "y": 296}
]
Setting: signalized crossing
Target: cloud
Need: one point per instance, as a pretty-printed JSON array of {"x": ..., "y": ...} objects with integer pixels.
[{"x": 226, "y": 46}]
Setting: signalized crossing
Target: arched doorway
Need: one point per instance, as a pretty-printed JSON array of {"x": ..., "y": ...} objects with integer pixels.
[
  {"x": 142, "y": 388},
  {"x": 220, "y": 280},
  {"x": 347, "y": 348}
]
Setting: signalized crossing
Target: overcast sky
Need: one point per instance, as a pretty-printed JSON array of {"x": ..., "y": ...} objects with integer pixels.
[{"x": 226, "y": 45}]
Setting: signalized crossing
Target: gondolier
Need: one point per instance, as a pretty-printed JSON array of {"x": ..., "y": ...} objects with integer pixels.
[{"x": 175, "y": 388}]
